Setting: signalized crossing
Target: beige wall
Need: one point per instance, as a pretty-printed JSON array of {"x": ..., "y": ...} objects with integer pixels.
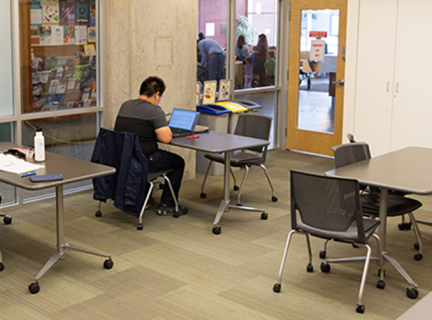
[{"x": 142, "y": 39}]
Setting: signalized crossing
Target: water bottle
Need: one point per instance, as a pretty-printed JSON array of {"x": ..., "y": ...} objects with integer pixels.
[{"x": 39, "y": 145}]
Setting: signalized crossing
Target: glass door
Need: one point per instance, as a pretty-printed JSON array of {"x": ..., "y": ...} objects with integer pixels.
[{"x": 316, "y": 73}]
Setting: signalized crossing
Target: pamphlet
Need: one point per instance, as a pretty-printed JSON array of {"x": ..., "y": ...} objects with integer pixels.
[
  {"x": 91, "y": 34},
  {"x": 89, "y": 50},
  {"x": 12, "y": 164},
  {"x": 67, "y": 12},
  {"x": 80, "y": 35},
  {"x": 209, "y": 92},
  {"x": 56, "y": 36},
  {"x": 69, "y": 35},
  {"x": 36, "y": 14},
  {"x": 83, "y": 12}
]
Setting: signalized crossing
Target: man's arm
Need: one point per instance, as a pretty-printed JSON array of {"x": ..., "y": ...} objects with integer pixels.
[{"x": 164, "y": 134}]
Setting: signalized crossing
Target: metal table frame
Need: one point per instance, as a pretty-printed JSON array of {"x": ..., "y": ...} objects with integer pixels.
[{"x": 72, "y": 170}]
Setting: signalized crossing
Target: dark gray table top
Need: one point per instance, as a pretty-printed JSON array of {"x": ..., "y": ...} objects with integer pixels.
[
  {"x": 408, "y": 170},
  {"x": 218, "y": 142},
  {"x": 71, "y": 169}
]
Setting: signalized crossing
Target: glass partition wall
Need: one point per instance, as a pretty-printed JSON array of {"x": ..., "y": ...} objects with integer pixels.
[
  {"x": 54, "y": 48},
  {"x": 248, "y": 33}
]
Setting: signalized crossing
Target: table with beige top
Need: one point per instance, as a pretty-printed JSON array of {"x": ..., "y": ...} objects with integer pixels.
[
  {"x": 407, "y": 170},
  {"x": 72, "y": 170}
]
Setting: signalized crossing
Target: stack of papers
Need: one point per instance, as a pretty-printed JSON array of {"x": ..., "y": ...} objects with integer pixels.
[{"x": 12, "y": 164}]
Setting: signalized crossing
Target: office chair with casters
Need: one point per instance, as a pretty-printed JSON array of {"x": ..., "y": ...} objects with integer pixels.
[
  {"x": 254, "y": 126},
  {"x": 329, "y": 208},
  {"x": 397, "y": 205},
  {"x": 403, "y": 225},
  {"x": 6, "y": 220},
  {"x": 128, "y": 186}
]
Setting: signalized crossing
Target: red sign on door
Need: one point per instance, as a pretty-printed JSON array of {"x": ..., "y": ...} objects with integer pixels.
[{"x": 318, "y": 34}]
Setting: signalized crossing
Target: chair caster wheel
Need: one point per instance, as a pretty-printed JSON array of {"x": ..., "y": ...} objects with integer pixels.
[
  {"x": 379, "y": 273},
  {"x": 416, "y": 246},
  {"x": 203, "y": 195},
  {"x": 176, "y": 215},
  {"x": 309, "y": 267},
  {"x": 354, "y": 245},
  {"x": 277, "y": 288},
  {"x": 360, "y": 308},
  {"x": 239, "y": 205},
  {"x": 98, "y": 214},
  {"x": 404, "y": 226},
  {"x": 34, "y": 288},
  {"x": 236, "y": 188},
  {"x": 108, "y": 264},
  {"x": 323, "y": 254},
  {"x": 412, "y": 293},
  {"x": 217, "y": 230},
  {"x": 418, "y": 256},
  {"x": 325, "y": 267},
  {"x": 274, "y": 199},
  {"x": 380, "y": 284},
  {"x": 139, "y": 226},
  {"x": 1, "y": 266},
  {"x": 7, "y": 220},
  {"x": 264, "y": 216}
]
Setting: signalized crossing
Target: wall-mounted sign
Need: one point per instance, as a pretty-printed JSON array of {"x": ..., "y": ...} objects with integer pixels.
[
  {"x": 317, "y": 50},
  {"x": 318, "y": 34}
]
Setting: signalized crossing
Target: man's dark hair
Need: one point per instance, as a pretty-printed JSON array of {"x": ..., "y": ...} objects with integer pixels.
[{"x": 151, "y": 85}]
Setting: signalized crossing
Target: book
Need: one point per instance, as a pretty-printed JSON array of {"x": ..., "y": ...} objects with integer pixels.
[
  {"x": 12, "y": 164},
  {"x": 83, "y": 17},
  {"x": 91, "y": 34},
  {"x": 67, "y": 12},
  {"x": 90, "y": 50},
  {"x": 69, "y": 35},
  {"x": 77, "y": 72}
]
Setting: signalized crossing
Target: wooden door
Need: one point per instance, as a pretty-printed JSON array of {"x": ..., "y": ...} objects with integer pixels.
[{"x": 315, "y": 85}]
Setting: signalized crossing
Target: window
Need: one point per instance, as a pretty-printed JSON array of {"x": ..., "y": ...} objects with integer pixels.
[{"x": 59, "y": 65}]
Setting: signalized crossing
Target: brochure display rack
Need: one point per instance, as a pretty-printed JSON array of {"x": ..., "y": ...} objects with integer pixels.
[{"x": 58, "y": 54}]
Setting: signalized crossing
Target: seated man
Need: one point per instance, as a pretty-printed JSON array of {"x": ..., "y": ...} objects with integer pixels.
[{"x": 144, "y": 117}]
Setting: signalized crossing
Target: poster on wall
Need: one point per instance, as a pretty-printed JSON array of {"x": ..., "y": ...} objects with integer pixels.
[
  {"x": 36, "y": 13},
  {"x": 80, "y": 35},
  {"x": 51, "y": 13},
  {"x": 317, "y": 50}
]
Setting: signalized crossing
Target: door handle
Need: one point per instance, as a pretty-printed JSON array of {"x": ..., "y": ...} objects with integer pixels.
[{"x": 341, "y": 82}]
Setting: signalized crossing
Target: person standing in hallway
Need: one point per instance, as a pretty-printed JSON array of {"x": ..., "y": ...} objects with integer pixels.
[
  {"x": 212, "y": 58},
  {"x": 260, "y": 55},
  {"x": 145, "y": 118}
]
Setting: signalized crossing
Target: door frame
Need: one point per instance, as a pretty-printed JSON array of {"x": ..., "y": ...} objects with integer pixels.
[{"x": 299, "y": 139}]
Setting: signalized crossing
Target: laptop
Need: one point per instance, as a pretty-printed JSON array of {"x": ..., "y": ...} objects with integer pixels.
[{"x": 183, "y": 122}]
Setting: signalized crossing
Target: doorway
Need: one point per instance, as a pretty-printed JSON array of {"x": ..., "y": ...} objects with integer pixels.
[{"x": 316, "y": 75}]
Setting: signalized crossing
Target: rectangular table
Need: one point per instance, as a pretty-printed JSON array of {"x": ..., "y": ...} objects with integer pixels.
[
  {"x": 72, "y": 170},
  {"x": 218, "y": 142},
  {"x": 407, "y": 170}
]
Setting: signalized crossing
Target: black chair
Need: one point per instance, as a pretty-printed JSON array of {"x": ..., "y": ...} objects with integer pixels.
[
  {"x": 111, "y": 149},
  {"x": 397, "y": 205},
  {"x": 329, "y": 208},
  {"x": 249, "y": 125}
]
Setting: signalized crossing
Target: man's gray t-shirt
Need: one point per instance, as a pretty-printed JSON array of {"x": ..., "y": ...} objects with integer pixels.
[{"x": 143, "y": 118}]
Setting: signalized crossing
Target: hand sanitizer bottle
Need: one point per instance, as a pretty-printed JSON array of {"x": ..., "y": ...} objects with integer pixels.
[{"x": 39, "y": 145}]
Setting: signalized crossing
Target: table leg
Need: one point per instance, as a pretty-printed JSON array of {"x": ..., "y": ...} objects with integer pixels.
[
  {"x": 382, "y": 234},
  {"x": 61, "y": 244},
  {"x": 225, "y": 203}
]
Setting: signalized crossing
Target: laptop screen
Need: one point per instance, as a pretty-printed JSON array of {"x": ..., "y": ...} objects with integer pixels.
[{"x": 183, "y": 119}]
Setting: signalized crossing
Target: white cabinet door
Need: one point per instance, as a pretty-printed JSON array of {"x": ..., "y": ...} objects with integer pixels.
[
  {"x": 375, "y": 68},
  {"x": 412, "y": 105}
]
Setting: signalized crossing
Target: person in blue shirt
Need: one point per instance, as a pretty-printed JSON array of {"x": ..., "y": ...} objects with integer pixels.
[{"x": 212, "y": 59}]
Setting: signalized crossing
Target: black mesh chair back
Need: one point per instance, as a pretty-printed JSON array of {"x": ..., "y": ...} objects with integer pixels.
[
  {"x": 254, "y": 126},
  {"x": 326, "y": 203},
  {"x": 349, "y": 153}
]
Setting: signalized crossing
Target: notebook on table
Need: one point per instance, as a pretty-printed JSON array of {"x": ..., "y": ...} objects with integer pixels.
[{"x": 183, "y": 122}]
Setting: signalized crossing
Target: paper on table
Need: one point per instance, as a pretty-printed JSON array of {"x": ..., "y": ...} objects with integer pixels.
[{"x": 12, "y": 164}]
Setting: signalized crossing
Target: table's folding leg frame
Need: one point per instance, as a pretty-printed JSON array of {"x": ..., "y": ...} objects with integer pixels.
[
  {"x": 225, "y": 203},
  {"x": 62, "y": 246}
]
